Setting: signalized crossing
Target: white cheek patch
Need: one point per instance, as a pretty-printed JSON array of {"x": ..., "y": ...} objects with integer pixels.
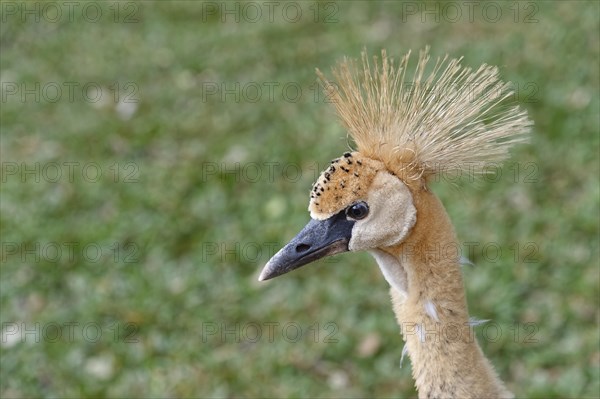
[{"x": 391, "y": 215}]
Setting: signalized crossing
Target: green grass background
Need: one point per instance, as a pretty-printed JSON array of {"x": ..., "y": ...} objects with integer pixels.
[{"x": 184, "y": 223}]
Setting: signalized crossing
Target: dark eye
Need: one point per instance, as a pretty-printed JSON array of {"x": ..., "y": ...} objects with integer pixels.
[{"x": 358, "y": 211}]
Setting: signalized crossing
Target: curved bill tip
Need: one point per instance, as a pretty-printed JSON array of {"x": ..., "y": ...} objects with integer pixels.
[{"x": 265, "y": 274}]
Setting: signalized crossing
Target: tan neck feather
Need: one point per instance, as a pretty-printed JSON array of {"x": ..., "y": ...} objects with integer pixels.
[{"x": 433, "y": 314}]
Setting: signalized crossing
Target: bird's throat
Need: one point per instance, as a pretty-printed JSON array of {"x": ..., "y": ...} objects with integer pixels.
[{"x": 429, "y": 301}]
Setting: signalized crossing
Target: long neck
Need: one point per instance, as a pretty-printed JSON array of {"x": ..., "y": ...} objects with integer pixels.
[{"x": 430, "y": 306}]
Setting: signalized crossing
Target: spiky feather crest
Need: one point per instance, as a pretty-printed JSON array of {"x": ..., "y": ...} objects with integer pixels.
[{"x": 451, "y": 120}]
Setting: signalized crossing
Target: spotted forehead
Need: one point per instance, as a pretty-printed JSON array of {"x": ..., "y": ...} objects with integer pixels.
[{"x": 345, "y": 181}]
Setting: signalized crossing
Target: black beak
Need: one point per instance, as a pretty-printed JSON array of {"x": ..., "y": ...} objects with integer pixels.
[{"x": 319, "y": 238}]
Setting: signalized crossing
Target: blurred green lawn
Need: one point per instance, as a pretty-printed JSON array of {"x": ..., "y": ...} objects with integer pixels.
[{"x": 141, "y": 281}]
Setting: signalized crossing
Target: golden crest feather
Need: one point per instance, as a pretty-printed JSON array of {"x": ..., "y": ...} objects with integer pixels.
[{"x": 451, "y": 119}]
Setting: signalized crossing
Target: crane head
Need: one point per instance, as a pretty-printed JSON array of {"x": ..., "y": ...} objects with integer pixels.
[{"x": 356, "y": 204}]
